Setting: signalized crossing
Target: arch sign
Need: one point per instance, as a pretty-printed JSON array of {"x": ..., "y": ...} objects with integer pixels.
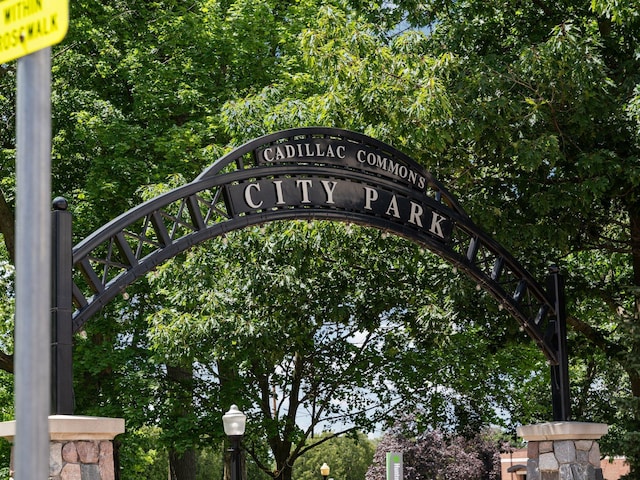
[{"x": 306, "y": 173}]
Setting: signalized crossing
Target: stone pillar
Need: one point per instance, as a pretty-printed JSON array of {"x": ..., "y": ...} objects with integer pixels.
[
  {"x": 80, "y": 448},
  {"x": 563, "y": 450}
]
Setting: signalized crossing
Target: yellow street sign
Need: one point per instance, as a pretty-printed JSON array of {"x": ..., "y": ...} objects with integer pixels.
[{"x": 30, "y": 25}]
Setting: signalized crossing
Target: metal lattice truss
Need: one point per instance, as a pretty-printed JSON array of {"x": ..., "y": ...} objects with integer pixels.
[{"x": 301, "y": 174}]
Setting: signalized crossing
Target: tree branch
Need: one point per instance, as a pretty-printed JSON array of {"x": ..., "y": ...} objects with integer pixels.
[
  {"x": 7, "y": 226},
  {"x": 597, "y": 338},
  {"x": 6, "y": 362}
]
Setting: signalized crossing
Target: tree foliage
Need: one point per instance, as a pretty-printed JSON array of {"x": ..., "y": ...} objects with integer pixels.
[
  {"x": 347, "y": 456},
  {"x": 310, "y": 325}
]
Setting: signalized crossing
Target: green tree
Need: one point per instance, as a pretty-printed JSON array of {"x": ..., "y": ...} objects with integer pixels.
[
  {"x": 318, "y": 319},
  {"x": 347, "y": 456},
  {"x": 271, "y": 312}
]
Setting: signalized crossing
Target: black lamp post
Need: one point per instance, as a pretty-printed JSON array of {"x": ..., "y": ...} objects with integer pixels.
[
  {"x": 324, "y": 471},
  {"x": 234, "y": 422}
]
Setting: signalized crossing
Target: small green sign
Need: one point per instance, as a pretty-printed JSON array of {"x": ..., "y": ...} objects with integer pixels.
[{"x": 394, "y": 466}]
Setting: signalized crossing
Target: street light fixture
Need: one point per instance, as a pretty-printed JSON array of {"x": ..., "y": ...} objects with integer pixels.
[
  {"x": 324, "y": 471},
  {"x": 234, "y": 422}
]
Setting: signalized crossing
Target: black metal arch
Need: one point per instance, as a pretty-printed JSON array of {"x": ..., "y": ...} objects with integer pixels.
[{"x": 305, "y": 173}]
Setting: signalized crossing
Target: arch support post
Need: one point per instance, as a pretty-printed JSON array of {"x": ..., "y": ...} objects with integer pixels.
[
  {"x": 79, "y": 447},
  {"x": 560, "y": 392},
  {"x": 62, "y": 399},
  {"x": 563, "y": 450}
]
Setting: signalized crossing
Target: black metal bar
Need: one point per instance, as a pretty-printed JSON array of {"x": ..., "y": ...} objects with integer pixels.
[
  {"x": 161, "y": 230},
  {"x": 194, "y": 211},
  {"x": 520, "y": 290},
  {"x": 94, "y": 281},
  {"x": 62, "y": 399},
  {"x": 125, "y": 249},
  {"x": 236, "y": 470},
  {"x": 497, "y": 268},
  {"x": 472, "y": 251},
  {"x": 560, "y": 390}
]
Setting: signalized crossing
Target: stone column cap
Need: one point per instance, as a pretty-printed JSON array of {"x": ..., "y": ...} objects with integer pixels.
[
  {"x": 73, "y": 427},
  {"x": 563, "y": 431}
]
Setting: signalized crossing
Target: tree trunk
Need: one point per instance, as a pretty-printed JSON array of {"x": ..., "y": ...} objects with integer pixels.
[
  {"x": 182, "y": 466},
  {"x": 634, "y": 220},
  {"x": 635, "y": 255},
  {"x": 7, "y": 226},
  {"x": 285, "y": 472},
  {"x": 282, "y": 451}
]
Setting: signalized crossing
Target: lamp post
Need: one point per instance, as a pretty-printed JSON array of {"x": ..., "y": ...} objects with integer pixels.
[
  {"x": 324, "y": 471},
  {"x": 234, "y": 422}
]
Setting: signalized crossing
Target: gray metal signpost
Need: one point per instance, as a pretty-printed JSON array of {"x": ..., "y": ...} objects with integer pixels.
[
  {"x": 33, "y": 266},
  {"x": 28, "y": 29}
]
